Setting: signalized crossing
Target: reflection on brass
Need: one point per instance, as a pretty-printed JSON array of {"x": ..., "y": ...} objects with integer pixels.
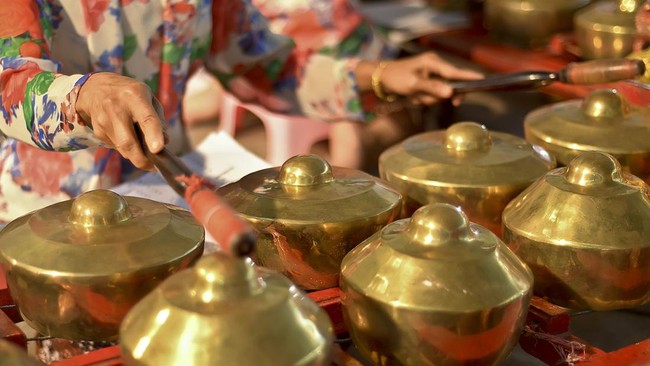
[
  {"x": 604, "y": 122},
  {"x": 529, "y": 23},
  {"x": 226, "y": 311},
  {"x": 606, "y": 29},
  {"x": 465, "y": 166},
  {"x": 12, "y": 355},
  {"x": 435, "y": 289},
  {"x": 584, "y": 231},
  {"x": 309, "y": 215},
  {"x": 75, "y": 268}
]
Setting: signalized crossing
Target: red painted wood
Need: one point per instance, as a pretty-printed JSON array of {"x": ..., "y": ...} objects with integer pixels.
[
  {"x": 10, "y": 332},
  {"x": 5, "y": 297},
  {"x": 330, "y": 300},
  {"x": 6, "y": 302},
  {"x": 545, "y": 337},
  {"x": 546, "y": 317},
  {"x": 637, "y": 354}
]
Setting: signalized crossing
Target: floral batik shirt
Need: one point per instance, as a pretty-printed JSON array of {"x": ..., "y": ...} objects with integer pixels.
[
  {"x": 49, "y": 48},
  {"x": 332, "y": 27}
]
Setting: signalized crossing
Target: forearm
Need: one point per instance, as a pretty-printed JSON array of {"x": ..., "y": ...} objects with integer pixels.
[
  {"x": 363, "y": 75},
  {"x": 38, "y": 106},
  {"x": 38, "y": 103}
]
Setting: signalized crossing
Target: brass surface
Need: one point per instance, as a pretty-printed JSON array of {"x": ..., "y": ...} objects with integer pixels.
[
  {"x": 226, "y": 311},
  {"x": 604, "y": 121},
  {"x": 465, "y": 166},
  {"x": 12, "y": 355},
  {"x": 435, "y": 289},
  {"x": 529, "y": 23},
  {"x": 585, "y": 232},
  {"x": 75, "y": 268},
  {"x": 308, "y": 215},
  {"x": 606, "y": 29}
]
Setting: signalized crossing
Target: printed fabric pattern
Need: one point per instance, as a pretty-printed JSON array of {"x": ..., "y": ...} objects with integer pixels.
[{"x": 49, "y": 48}]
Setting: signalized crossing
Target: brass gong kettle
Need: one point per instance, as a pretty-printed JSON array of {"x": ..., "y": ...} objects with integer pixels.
[
  {"x": 435, "y": 289},
  {"x": 75, "y": 268},
  {"x": 584, "y": 230}
]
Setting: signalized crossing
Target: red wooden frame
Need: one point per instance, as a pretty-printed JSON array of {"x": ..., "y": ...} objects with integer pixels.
[{"x": 546, "y": 336}]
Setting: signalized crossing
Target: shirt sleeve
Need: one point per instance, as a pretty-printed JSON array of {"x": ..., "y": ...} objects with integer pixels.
[
  {"x": 37, "y": 102},
  {"x": 319, "y": 86}
]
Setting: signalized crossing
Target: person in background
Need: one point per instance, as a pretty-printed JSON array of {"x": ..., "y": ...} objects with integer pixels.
[
  {"x": 334, "y": 28},
  {"x": 337, "y": 29},
  {"x": 76, "y": 76}
]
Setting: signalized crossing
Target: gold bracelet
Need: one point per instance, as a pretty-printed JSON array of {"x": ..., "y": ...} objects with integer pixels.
[{"x": 375, "y": 81}]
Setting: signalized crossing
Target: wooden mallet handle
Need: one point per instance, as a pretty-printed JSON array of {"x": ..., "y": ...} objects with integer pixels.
[
  {"x": 601, "y": 71},
  {"x": 235, "y": 235}
]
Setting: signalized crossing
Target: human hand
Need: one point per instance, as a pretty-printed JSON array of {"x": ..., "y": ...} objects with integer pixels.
[
  {"x": 423, "y": 78},
  {"x": 112, "y": 103}
]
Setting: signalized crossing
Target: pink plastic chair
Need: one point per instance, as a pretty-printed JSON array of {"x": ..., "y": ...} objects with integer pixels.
[{"x": 286, "y": 135}]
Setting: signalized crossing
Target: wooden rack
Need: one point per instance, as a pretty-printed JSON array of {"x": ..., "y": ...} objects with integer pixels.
[{"x": 546, "y": 336}]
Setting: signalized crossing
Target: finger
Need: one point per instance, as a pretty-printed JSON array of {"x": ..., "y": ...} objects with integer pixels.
[
  {"x": 415, "y": 100},
  {"x": 455, "y": 73},
  {"x": 436, "y": 65},
  {"x": 424, "y": 99},
  {"x": 158, "y": 107},
  {"x": 160, "y": 110},
  {"x": 457, "y": 100},
  {"x": 100, "y": 133},
  {"x": 129, "y": 147},
  {"x": 125, "y": 140},
  {"x": 144, "y": 113},
  {"x": 434, "y": 88}
]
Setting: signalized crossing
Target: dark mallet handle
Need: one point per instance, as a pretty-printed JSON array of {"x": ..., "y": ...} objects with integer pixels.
[
  {"x": 601, "y": 71},
  {"x": 236, "y": 236},
  {"x": 513, "y": 81}
]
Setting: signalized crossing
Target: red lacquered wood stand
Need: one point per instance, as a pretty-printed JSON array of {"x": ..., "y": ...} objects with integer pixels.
[{"x": 546, "y": 336}]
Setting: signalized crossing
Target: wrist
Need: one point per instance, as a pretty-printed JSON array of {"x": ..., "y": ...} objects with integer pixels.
[
  {"x": 84, "y": 98},
  {"x": 378, "y": 86},
  {"x": 363, "y": 75}
]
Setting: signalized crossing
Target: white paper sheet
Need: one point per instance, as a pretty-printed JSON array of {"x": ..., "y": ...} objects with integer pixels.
[{"x": 219, "y": 158}]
